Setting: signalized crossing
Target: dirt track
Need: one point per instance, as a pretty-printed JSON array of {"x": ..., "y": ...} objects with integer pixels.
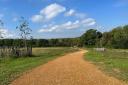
[{"x": 70, "y": 69}]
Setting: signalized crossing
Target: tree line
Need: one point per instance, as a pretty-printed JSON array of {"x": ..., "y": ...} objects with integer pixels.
[{"x": 116, "y": 38}]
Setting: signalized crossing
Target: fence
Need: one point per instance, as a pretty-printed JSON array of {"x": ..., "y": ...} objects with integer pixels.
[
  {"x": 15, "y": 51},
  {"x": 100, "y": 49}
]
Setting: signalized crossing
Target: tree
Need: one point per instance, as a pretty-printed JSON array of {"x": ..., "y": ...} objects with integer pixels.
[
  {"x": 90, "y": 37},
  {"x": 24, "y": 29},
  {"x": 25, "y": 32},
  {"x": 116, "y": 38}
]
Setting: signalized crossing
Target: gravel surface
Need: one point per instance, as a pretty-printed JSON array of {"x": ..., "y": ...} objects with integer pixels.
[{"x": 70, "y": 69}]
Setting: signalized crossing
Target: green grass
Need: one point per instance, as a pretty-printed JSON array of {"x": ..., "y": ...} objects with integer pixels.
[
  {"x": 113, "y": 61},
  {"x": 11, "y": 68}
]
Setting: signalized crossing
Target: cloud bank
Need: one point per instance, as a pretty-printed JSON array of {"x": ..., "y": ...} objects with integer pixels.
[
  {"x": 69, "y": 25},
  {"x": 48, "y": 13},
  {"x": 5, "y": 33},
  {"x": 53, "y": 10}
]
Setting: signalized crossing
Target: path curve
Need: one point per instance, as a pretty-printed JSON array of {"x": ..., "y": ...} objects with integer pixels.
[{"x": 70, "y": 69}]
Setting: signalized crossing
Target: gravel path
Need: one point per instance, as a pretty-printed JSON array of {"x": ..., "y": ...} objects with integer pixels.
[{"x": 70, "y": 69}]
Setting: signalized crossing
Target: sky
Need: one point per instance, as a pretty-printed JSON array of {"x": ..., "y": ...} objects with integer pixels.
[{"x": 62, "y": 18}]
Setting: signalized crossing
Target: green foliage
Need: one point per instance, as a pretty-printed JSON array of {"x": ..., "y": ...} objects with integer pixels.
[
  {"x": 117, "y": 38},
  {"x": 90, "y": 37}
]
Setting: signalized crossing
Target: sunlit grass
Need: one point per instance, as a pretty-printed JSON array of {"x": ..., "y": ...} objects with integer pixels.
[
  {"x": 113, "y": 61},
  {"x": 11, "y": 68}
]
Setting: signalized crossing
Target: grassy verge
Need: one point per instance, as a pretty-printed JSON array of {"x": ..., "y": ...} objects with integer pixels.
[
  {"x": 113, "y": 61},
  {"x": 12, "y": 68}
]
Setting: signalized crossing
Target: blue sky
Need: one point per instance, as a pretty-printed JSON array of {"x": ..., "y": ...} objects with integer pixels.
[{"x": 63, "y": 18}]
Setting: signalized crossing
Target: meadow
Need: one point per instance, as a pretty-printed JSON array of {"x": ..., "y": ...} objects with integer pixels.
[
  {"x": 113, "y": 62},
  {"x": 11, "y": 68}
]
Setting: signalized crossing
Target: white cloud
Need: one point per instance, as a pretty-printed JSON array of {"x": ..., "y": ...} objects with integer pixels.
[
  {"x": 37, "y": 18},
  {"x": 49, "y": 29},
  {"x": 80, "y": 15},
  {"x": 73, "y": 12},
  {"x": 52, "y": 10},
  {"x": 89, "y": 21},
  {"x": 5, "y": 33},
  {"x": 70, "y": 25},
  {"x": 48, "y": 13}
]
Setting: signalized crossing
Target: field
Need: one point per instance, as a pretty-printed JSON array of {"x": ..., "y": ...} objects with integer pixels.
[
  {"x": 11, "y": 68},
  {"x": 112, "y": 61}
]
